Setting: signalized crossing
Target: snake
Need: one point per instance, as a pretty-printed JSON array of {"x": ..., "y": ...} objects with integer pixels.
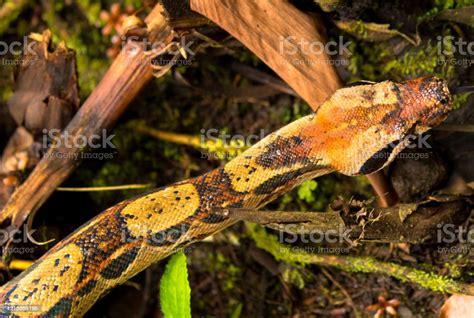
[{"x": 357, "y": 130}]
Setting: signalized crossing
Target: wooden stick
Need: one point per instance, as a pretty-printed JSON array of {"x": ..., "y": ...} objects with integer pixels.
[
  {"x": 384, "y": 189},
  {"x": 123, "y": 81},
  {"x": 279, "y": 34},
  {"x": 380, "y": 225}
]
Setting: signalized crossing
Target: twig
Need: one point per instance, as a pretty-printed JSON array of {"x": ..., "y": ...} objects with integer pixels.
[
  {"x": 108, "y": 188},
  {"x": 364, "y": 224},
  {"x": 264, "y": 78},
  {"x": 182, "y": 139},
  {"x": 343, "y": 290},
  {"x": 383, "y": 188}
]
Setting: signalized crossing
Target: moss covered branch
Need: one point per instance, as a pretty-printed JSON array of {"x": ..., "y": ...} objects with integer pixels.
[{"x": 361, "y": 264}]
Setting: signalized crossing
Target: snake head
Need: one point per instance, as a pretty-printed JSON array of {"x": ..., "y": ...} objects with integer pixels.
[
  {"x": 361, "y": 129},
  {"x": 427, "y": 102}
]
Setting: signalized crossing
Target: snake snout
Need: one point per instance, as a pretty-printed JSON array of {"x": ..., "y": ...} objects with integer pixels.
[
  {"x": 438, "y": 100},
  {"x": 429, "y": 101}
]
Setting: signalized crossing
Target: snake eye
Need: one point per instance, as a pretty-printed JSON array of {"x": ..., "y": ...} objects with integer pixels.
[{"x": 444, "y": 101}]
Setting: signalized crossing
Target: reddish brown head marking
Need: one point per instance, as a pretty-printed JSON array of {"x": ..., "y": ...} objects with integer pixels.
[{"x": 427, "y": 101}]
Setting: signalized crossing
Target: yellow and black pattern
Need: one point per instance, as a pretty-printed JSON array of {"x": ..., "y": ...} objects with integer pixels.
[{"x": 346, "y": 135}]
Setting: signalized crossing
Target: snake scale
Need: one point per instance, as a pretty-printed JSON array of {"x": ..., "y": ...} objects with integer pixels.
[{"x": 358, "y": 130}]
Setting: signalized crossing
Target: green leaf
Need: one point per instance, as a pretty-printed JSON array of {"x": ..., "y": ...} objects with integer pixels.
[
  {"x": 175, "y": 293},
  {"x": 237, "y": 311}
]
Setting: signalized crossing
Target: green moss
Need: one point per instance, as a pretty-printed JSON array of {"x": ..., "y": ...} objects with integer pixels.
[
  {"x": 376, "y": 61},
  {"x": 91, "y": 10},
  {"x": 441, "y": 5},
  {"x": 454, "y": 269},
  {"x": 452, "y": 4},
  {"x": 305, "y": 190}
]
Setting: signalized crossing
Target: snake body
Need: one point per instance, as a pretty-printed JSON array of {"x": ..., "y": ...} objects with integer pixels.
[{"x": 358, "y": 130}]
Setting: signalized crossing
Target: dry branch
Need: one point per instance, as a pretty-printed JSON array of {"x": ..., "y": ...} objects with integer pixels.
[
  {"x": 403, "y": 223},
  {"x": 123, "y": 81}
]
